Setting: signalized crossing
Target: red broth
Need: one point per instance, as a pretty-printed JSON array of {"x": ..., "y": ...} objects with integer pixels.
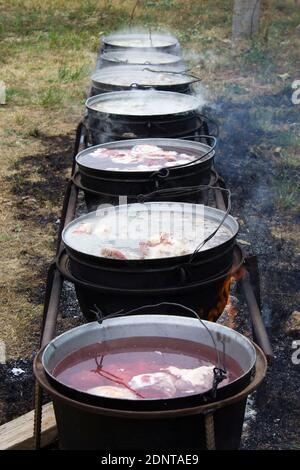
[{"x": 143, "y": 367}]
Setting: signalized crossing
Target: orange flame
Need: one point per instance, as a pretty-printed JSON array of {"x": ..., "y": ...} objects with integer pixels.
[{"x": 224, "y": 301}]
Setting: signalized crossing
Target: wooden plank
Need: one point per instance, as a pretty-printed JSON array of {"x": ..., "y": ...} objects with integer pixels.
[{"x": 18, "y": 433}]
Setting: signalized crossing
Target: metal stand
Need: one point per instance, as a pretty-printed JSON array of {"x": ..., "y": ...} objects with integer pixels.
[{"x": 55, "y": 283}]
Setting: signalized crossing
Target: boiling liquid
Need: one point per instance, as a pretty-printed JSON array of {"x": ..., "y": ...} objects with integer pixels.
[
  {"x": 130, "y": 231},
  {"x": 135, "y": 159},
  {"x": 141, "y": 77},
  {"x": 118, "y": 363},
  {"x": 145, "y": 103}
]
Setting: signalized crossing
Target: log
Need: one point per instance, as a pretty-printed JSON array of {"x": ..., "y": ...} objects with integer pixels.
[
  {"x": 246, "y": 14},
  {"x": 18, "y": 433}
]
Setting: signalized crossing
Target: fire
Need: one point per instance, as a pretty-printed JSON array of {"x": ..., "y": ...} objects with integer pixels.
[{"x": 225, "y": 300}]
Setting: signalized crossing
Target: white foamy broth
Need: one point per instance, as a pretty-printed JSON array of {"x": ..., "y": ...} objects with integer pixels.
[
  {"x": 142, "y": 157},
  {"x": 145, "y": 103},
  {"x": 126, "y": 78},
  {"x": 144, "y": 368},
  {"x": 150, "y": 41},
  {"x": 145, "y": 231},
  {"x": 142, "y": 58}
]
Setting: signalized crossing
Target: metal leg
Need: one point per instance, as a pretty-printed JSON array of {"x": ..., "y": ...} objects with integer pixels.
[{"x": 259, "y": 329}]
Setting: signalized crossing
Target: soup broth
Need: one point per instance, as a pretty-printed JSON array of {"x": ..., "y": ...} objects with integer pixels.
[
  {"x": 125, "y": 78},
  {"x": 145, "y": 103},
  {"x": 141, "y": 41},
  {"x": 144, "y": 234},
  {"x": 144, "y": 368},
  {"x": 137, "y": 158}
]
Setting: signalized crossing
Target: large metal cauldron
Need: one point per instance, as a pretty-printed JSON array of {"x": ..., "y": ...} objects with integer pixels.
[
  {"x": 142, "y": 114},
  {"x": 207, "y": 297},
  {"x": 127, "y": 77},
  {"x": 100, "y": 184},
  {"x": 88, "y": 422},
  {"x": 140, "y": 41},
  {"x": 110, "y": 284},
  {"x": 160, "y": 60}
]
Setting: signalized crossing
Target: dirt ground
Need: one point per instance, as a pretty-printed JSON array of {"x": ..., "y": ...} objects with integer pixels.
[{"x": 47, "y": 54}]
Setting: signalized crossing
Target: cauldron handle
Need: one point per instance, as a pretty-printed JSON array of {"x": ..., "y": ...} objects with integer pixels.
[
  {"x": 184, "y": 191},
  {"x": 219, "y": 371},
  {"x": 164, "y": 172}
]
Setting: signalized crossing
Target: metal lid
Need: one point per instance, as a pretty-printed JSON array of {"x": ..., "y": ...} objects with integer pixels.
[
  {"x": 128, "y": 76},
  {"x": 144, "y": 103}
]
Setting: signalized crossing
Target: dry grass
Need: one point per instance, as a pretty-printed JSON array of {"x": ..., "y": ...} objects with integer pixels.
[{"x": 47, "y": 51}]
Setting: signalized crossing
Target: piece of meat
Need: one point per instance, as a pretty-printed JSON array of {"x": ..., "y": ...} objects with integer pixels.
[
  {"x": 154, "y": 385},
  {"x": 112, "y": 392},
  {"x": 85, "y": 228},
  {"x": 108, "y": 153},
  {"x": 146, "y": 150},
  {"x": 102, "y": 230},
  {"x": 114, "y": 253},
  {"x": 200, "y": 379},
  {"x": 163, "y": 245}
]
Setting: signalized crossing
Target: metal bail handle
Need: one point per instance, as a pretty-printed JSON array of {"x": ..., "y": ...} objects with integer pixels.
[
  {"x": 173, "y": 72},
  {"x": 183, "y": 191},
  {"x": 136, "y": 86},
  {"x": 164, "y": 172},
  {"x": 219, "y": 371},
  {"x": 201, "y": 245}
]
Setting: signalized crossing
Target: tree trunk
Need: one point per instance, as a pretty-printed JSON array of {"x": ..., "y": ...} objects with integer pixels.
[{"x": 246, "y": 15}]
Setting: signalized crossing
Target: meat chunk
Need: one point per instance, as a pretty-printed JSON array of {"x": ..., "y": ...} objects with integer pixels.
[
  {"x": 200, "y": 379},
  {"x": 112, "y": 392},
  {"x": 114, "y": 253},
  {"x": 85, "y": 228},
  {"x": 102, "y": 230},
  {"x": 163, "y": 245},
  {"x": 154, "y": 385}
]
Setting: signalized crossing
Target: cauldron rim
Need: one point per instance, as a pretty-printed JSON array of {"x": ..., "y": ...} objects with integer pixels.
[
  {"x": 108, "y": 56},
  {"x": 147, "y": 404},
  {"x": 148, "y": 262},
  {"x": 118, "y": 95},
  {"x": 106, "y": 39},
  {"x": 109, "y": 406},
  {"x": 63, "y": 258},
  {"x": 183, "y": 145},
  {"x": 136, "y": 71}
]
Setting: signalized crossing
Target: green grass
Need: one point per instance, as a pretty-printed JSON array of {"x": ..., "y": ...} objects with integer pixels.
[
  {"x": 70, "y": 74},
  {"x": 287, "y": 192},
  {"x": 4, "y": 237},
  {"x": 290, "y": 158},
  {"x": 287, "y": 138},
  {"x": 52, "y": 97},
  {"x": 19, "y": 95},
  {"x": 235, "y": 89}
]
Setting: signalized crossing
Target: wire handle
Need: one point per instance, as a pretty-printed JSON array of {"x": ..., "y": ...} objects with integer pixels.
[
  {"x": 184, "y": 191},
  {"x": 174, "y": 72},
  {"x": 164, "y": 172},
  {"x": 220, "y": 371}
]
